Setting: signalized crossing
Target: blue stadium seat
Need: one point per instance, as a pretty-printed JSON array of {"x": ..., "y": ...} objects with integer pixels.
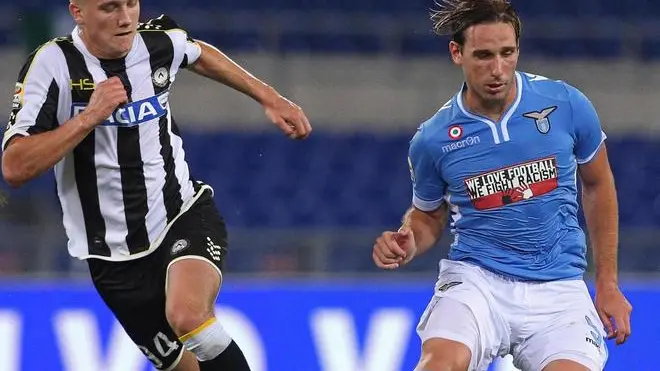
[
  {"x": 316, "y": 42},
  {"x": 650, "y": 49},
  {"x": 640, "y": 9},
  {"x": 423, "y": 44},
  {"x": 651, "y": 8},
  {"x": 574, "y": 47},
  {"x": 239, "y": 41},
  {"x": 614, "y": 8},
  {"x": 527, "y": 8}
]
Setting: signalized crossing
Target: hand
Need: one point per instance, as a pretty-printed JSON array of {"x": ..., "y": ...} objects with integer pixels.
[
  {"x": 394, "y": 249},
  {"x": 107, "y": 96},
  {"x": 288, "y": 116},
  {"x": 611, "y": 304}
]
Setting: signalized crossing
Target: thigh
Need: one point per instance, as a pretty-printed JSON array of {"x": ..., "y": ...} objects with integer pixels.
[
  {"x": 568, "y": 330},
  {"x": 200, "y": 233},
  {"x": 460, "y": 311},
  {"x": 450, "y": 336},
  {"x": 444, "y": 354},
  {"x": 565, "y": 365},
  {"x": 134, "y": 291}
]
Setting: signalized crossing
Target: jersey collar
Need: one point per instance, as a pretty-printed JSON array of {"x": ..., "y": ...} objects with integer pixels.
[
  {"x": 505, "y": 118},
  {"x": 80, "y": 44}
]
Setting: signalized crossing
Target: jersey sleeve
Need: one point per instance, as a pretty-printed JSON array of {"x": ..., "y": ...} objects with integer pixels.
[
  {"x": 428, "y": 186},
  {"x": 586, "y": 125},
  {"x": 186, "y": 49},
  {"x": 36, "y": 96}
]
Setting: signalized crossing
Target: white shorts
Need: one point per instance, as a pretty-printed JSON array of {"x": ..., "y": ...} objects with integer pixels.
[{"x": 494, "y": 316}]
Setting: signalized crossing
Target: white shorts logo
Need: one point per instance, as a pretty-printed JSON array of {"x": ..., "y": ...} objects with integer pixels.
[{"x": 179, "y": 246}]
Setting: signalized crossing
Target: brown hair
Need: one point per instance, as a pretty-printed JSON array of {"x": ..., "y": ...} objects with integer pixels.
[{"x": 453, "y": 17}]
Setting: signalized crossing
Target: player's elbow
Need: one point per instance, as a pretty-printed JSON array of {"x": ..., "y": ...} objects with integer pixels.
[{"x": 13, "y": 174}]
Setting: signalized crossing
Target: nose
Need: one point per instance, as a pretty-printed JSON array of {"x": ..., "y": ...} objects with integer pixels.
[
  {"x": 124, "y": 19},
  {"x": 498, "y": 64}
]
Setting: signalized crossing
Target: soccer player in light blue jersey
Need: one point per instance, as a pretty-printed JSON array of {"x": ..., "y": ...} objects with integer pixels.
[{"x": 503, "y": 158}]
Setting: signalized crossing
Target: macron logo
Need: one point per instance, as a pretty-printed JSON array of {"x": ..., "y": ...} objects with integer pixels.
[
  {"x": 467, "y": 142},
  {"x": 131, "y": 114}
]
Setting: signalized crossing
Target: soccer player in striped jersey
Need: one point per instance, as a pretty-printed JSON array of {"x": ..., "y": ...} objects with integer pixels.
[{"x": 94, "y": 105}]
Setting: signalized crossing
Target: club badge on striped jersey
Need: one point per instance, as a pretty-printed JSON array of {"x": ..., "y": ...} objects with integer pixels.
[{"x": 161, "y": 77}]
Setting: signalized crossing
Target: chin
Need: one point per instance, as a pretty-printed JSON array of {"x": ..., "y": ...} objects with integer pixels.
[
  {"x": 496, "y": 99},
  {"x": 123, "y": 46},
  {"x": 121, "y": 51}
]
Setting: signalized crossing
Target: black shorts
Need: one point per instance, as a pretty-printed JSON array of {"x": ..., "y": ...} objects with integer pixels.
[{"x": 134, "y": 290}]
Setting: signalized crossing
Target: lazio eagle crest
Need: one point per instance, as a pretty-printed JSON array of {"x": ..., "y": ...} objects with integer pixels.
[{"x": 541, "y": 118}]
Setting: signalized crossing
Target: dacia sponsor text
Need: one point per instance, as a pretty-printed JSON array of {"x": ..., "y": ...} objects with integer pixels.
[{"x": 131, "y": 114}]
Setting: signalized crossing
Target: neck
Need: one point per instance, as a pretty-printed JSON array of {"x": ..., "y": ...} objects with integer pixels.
[
  {"x": 94, "y": 49},
  {"x": 493, "y": 109}
]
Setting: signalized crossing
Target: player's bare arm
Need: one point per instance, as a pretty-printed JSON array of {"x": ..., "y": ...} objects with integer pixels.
[
  {"x": 426, "y": 226},
  {"x": 420, "y": 230},
  {"x": 26, "y": 158},
  {"x": 288, "y": 116},
  {"x": 601, "y": 213}
]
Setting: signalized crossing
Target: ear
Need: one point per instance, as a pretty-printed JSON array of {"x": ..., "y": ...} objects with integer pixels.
[
  {"x": 76, "y": 13},
  {"x": 456, "y": 52}
]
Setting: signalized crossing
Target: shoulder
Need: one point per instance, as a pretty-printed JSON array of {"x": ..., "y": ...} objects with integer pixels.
[
  {"x": 160, "y": 23},
  {"x": 47, "y": 57},
  {"x": 164, "y": 25},
  {"x": 558, "y": 89},
  {"x": 440, "y": 121},
  {"x": 546, "y": 87},
  {"x": 47, "y": 50},
  {"x": 561, "y": 94},
  {"x": 434, "y": 130}
]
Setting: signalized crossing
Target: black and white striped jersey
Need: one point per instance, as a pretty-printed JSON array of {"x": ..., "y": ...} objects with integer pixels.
[{"x": 128, "y": 180}]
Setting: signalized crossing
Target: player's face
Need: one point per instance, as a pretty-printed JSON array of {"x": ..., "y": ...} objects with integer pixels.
[
  {"x": 488, "y": 58},
  {"x": 108, "y": 26}
]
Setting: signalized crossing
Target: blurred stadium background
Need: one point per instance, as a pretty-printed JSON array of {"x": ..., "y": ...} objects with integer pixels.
[{"x": 303, "y": 216}]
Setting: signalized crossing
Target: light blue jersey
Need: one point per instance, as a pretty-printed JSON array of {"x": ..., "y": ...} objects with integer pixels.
[{"x": 511, "y": 185}]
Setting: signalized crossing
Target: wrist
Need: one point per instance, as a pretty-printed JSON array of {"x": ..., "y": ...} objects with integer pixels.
[
  {"x": 606, "y": 282},
  {"x": 86, "y": 120},
  {"x": 265, "y": 94}
]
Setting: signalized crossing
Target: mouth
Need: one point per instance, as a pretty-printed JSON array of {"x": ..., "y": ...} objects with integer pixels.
[
  {"x": 495, "y": 87},
  {"x": 123, "y": 34}
]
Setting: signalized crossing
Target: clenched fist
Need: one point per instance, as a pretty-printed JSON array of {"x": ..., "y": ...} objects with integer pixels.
[
  {"x": 287, "y": 116},
  {"x": 107, "y": 96},
  {"x": 394, "y": 249}
]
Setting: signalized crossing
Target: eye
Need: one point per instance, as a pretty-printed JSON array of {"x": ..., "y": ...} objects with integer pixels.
[
  {"x": 109, "y": 7},
  {"x": 483, "y": 55}
]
